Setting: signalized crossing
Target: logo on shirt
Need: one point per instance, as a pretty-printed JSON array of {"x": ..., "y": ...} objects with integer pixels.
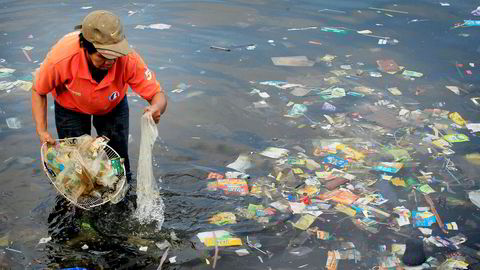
[
  {"x": 114, "y": 96},
  {"x": 148, "y": 74}
]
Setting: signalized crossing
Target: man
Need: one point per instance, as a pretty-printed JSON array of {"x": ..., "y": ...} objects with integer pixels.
[{"x": 88, "y": 74}]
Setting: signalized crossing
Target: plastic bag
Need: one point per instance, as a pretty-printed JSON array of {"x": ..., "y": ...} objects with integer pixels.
[
  {"x": 474, "y": 196},
  {"x": 81, "y": 170},
  {"x": 98, "y": 163},
  {"x": 69, "y": 183},
  {"x": 90, "y": 146},
  {"x": 150, "y": 205},
  {"x": 83, "y": 143}
]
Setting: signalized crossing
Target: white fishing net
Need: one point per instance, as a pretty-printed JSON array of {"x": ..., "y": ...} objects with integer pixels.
[{"x": 150, "y": 205}]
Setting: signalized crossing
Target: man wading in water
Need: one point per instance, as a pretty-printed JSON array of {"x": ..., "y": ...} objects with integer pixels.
[{"x": 88, "y": 73}]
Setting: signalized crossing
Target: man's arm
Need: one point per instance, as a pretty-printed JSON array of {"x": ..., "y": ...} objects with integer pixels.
[
  {"x": 158, "y": 105},
  {"x": 143, "y": 82},
  {"x": 39, "y": 113}
]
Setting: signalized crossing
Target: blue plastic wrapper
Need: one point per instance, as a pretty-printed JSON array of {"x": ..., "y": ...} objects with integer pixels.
[
  {"x": 388, "y": 167},
  {"x": 471, "y": 22},
  {"x": 421, "y": 221},
  {"x": 335, "y": 161}
]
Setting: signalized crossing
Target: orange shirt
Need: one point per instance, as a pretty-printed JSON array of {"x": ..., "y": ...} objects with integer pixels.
[{"x": 65, "y": 73}]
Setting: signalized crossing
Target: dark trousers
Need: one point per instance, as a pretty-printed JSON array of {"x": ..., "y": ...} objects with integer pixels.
[{"x": 113, "y": 125}]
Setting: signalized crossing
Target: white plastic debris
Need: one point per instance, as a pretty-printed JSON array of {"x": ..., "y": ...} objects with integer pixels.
[
  {"x": 395, "y": 91},
  {"x": 365, "y": 32},
  {"x": 44, "y": 240},
  {"x": 85, "y": 246},
  {"x": 157, "y": 26},
  {"x": 163, "y": 245},
  {"x": 260, "y": 93},
  {"x": 302, "y": 28},
  {"x": 474, "y": 196},
  {"x": 13, "y": 123},
  {"x": 292, "y": 61},
  {"x": 263, "y": 94},
  {"x": 241, "y": 164},
  {"x": 274, "y": 152},
  {"x": 174, "y": 236},
  {"x": 160, "y": 26},
  {"x": 425, "y": 231},
  {"x": 5, "y": 85},
  {"x": 454, "y": 89},
  {"x": 300, "y": 91},
  {"x": 261, "y": 104},
  {"x": 242, "y": 252},
  {"x": 143, "y": 249},
  {"x": 476, "y": 12},
  {"x": 7, "y": 70},
  {"x": 403, "y": 112},
  {"x": 473, "y": 127},
  {"x": 237, "y": 175}
]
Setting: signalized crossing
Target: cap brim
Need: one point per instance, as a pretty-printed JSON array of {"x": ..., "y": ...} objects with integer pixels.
[{"x": 114, "y": 50}]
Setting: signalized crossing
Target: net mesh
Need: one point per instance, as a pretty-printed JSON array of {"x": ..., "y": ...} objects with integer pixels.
[{"x": 150, "y": 206}]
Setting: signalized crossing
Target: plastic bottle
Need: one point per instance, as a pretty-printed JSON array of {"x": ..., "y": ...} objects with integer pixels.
[{"x": 52, "y": 158}]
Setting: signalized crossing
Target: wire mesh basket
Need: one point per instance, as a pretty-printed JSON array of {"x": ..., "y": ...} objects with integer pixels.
[{"x": 85, "y": 201}]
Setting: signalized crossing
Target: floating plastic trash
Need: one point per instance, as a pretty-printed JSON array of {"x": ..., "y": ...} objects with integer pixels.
[
  {"x": 14, "y": 123},
  {"x": 410, "y": 73},
  {"x": 333, "y": 30},
  {"x": 297, "y": 110},
  {"x": 293, "y": 61},
  {"x": 157, "y": 26},
  {"x": 471, "y": 22}
]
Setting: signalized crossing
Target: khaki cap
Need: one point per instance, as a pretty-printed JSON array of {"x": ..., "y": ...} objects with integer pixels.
[{"x": 105, "y": 31}]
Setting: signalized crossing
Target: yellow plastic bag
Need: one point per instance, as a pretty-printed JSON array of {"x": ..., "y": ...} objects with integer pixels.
[{"x": 457, "y": 118}]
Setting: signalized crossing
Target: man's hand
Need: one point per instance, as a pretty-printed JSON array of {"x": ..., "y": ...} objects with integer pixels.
[
  {"x": 45, "y": 136},
  {"x": 157, "y": 107},
  {"x": 156, "y": 111}
]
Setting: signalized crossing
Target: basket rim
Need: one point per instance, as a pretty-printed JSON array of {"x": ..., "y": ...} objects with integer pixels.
[{"x": 122, "y": 178}]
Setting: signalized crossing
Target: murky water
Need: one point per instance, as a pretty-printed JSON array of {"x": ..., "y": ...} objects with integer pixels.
[{"x": 214, "y": 119}]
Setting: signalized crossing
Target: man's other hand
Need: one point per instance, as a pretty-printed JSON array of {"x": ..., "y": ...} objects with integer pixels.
[
  {"x": 45, "y": 136},
  {"x": 156, "y": 112}
]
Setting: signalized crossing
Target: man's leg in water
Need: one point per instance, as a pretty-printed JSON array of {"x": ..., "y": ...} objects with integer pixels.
[{"x": 115, "y": 125}]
